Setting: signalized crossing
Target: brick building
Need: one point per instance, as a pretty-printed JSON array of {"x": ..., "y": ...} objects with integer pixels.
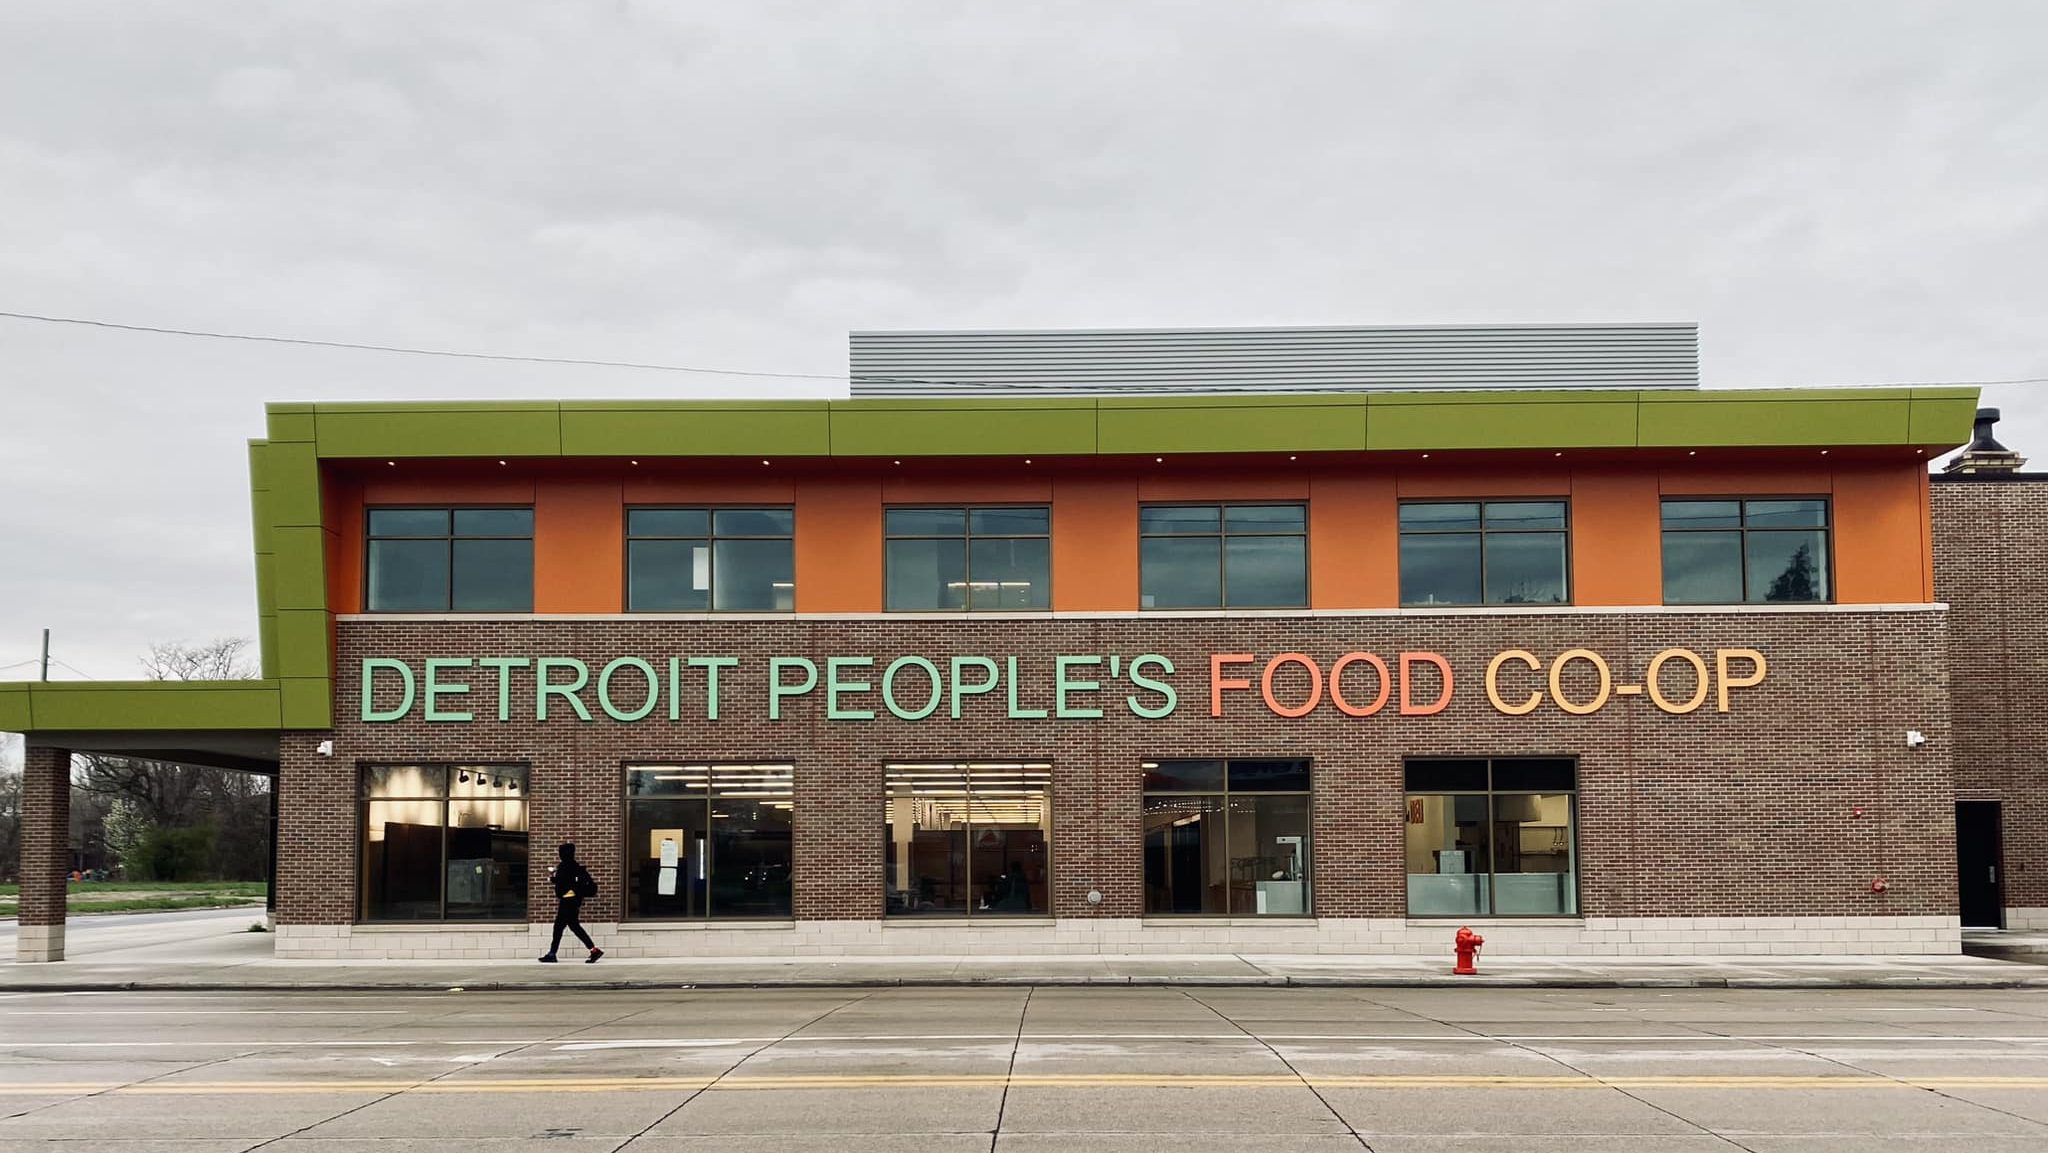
[{"x": 1256, "y": 640}]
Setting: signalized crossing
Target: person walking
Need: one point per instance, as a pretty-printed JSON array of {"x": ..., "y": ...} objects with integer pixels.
[{"x": 573, "y": 884}]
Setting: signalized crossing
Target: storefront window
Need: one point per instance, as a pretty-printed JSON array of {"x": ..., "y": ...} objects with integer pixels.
[
  {"x": 444, "y": 843},
  {"x": 968, "y": 839},
  {"x": 708, "y": 841},
  {"x": 977, "y": 559},
  {"x": 1222, "y": 556},
  {"x": 466, "y": 560},
  {"x": 716, "y": 559},
  {"x": 1227, "y": 836},
  {"x": 1492, "y": 837},
  {"x": 1745, "y": 551},
  {"x": 1483, "y": 552}
]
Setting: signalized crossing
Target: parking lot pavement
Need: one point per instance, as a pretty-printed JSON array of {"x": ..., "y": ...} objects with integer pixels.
[{"x": 1023, "y": 1069}]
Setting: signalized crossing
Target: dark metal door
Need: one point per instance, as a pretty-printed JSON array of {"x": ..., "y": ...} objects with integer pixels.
[{"x": 1978, "y": 874}]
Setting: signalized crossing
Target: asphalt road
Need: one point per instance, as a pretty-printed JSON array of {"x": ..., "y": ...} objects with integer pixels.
[{"x": 1188, "y": 1070}]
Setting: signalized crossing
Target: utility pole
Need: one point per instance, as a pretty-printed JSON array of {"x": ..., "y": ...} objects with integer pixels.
[{"x": 46, "y": 654}]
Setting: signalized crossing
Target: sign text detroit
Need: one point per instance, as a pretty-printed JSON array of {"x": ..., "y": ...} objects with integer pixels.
[{"x": 912, "y": 688}]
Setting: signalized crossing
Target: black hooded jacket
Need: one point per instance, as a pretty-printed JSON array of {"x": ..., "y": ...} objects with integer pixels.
[{"x": 573, "y": 882}]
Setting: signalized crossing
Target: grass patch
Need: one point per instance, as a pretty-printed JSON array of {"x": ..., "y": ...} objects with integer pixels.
[
  {"x": 156, "y": 904},
  {"x": 148, "y": 896},
  {"x": 166, "y": 904},
  {"x": 89, "y": 888}
]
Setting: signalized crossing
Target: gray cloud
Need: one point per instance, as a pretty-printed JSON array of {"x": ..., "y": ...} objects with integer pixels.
[{"x": 1840, "y": 193}]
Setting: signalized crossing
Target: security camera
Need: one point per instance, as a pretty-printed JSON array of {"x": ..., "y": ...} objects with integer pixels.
[
  {"x": 324, "y": 748},
  {"x": 1915, "y": 738}
]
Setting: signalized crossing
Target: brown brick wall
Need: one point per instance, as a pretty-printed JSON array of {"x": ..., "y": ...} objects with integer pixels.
[
  {"x": 1751, "y": 812},
  {"x": 1991, "y": 567},
  {"x": 45, "y": 834}
]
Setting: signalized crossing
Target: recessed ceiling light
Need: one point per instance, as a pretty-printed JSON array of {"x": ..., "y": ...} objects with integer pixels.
[
  {"x": 392, "y": 463},
  {"x": 636, "y": 462},
  {"x": 501, "y": 462},
  {"x": 1027, "y": 460},
  {"x": 1692, "y": 452},
  {"x": 899, "y": 462},
  {"x": 1158, "y": 460},
  {"x": 1293, "y": 458},
  {"x": 1425, "y": 456},
  {"x": 764, "y": 462},
  {"x": 1557, "y": 454},
  {"x": 1823, "y": 452}
]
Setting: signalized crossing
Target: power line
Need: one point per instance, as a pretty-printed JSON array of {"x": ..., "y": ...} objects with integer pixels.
[
  {"x": 62, "y": 665},
  {"x": 412, "y": 351},
  {"x": 404, "y": 350},
  {"x": 18, "y": 664}
]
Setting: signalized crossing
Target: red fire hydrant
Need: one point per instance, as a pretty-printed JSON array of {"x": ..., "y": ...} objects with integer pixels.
[{"x": 1468, "y": 943}]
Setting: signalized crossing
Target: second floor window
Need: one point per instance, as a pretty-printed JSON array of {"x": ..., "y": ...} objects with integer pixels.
[
  {"x": 1495, "y": 552},
  {"x": 1207, "y": 556},
  {"x": 465, "y": 560},
  {"x": 710, "y": 559},
  {"x": 976, "y": 559},
  {"x": 1745, "y": 551}
]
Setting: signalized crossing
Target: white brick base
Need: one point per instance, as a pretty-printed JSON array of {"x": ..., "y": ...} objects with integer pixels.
[
  {"x": 2026, "y": 918},
  {"x": 1592, "y": 937},
  {"x": 39, "y": 943}
]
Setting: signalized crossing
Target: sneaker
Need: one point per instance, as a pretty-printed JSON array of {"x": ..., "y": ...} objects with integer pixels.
[
  {"x": 548, "y": 960},
  {"x": 595, "y": 953}
]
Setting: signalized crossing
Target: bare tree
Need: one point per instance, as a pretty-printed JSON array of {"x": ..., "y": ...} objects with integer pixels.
[
  {"x": 10, "y": 823},
  {"x": 142, "y": 797},
  {"x": 222, "y": 659}
]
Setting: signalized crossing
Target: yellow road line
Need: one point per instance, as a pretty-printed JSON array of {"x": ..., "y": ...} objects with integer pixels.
[{"x": 1028, "y": 1080}]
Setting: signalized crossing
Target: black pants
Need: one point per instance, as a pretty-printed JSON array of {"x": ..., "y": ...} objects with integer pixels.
[{"x": 568, "y": 915}]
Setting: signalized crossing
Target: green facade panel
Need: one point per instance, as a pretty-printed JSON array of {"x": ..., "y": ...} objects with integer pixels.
[
  {"x": 1234, "y": 424},
  {"x": 1743, "y": 422},
  {"x": 796, "y": 428},
  {"x": 14, "y": 708},
  {"x": 103, "y": 706},
  {"x": 293, "y": 496},
  {"x": 306, "y": 703},
  {"x": 1557, "y": 423},
  {"x": 441, "y": 430},
  {"x": 985, "y": 430},
  {"x": 1942, "y": 421},
  {"x": 298, "y": 569},
  {"x": 303, "y": 640},
  {"x": 286, "y": 422}
]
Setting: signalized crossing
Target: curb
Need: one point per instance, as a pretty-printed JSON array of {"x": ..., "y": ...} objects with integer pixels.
[{"x": 1892, "y": 984}]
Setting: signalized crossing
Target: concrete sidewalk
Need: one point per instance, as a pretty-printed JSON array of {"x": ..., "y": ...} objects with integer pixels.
[
  {"x": 261, "y": 972},
  {"x": 212, "y": 951}
]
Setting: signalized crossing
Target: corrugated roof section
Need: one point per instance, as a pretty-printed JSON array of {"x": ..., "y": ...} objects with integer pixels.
[{"x": 1203, "y": 360}]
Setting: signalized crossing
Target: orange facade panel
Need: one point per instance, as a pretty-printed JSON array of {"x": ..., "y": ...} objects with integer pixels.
[
  {"x": 838, "y": 546},
  {"x": 1354, "y": 541},
  {"x": 1095, "y": 544},
  {"x": 1616, "y": 538},
  {"x": 1882, "y": 551},
  {"x": 579, "y": 546}
]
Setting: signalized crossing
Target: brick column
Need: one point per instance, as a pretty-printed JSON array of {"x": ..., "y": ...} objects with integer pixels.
[{"x": 45, "y": 853}]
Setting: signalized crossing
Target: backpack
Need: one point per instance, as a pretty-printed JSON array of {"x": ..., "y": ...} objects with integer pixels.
[{"x": 586, "y": 885}]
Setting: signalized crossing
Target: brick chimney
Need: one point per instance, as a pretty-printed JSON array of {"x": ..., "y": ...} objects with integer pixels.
[{"x": 1984, "y": 453}]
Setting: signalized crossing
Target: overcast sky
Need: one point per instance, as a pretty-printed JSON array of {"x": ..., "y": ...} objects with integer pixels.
[{"x": 1839, "y": 193}]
